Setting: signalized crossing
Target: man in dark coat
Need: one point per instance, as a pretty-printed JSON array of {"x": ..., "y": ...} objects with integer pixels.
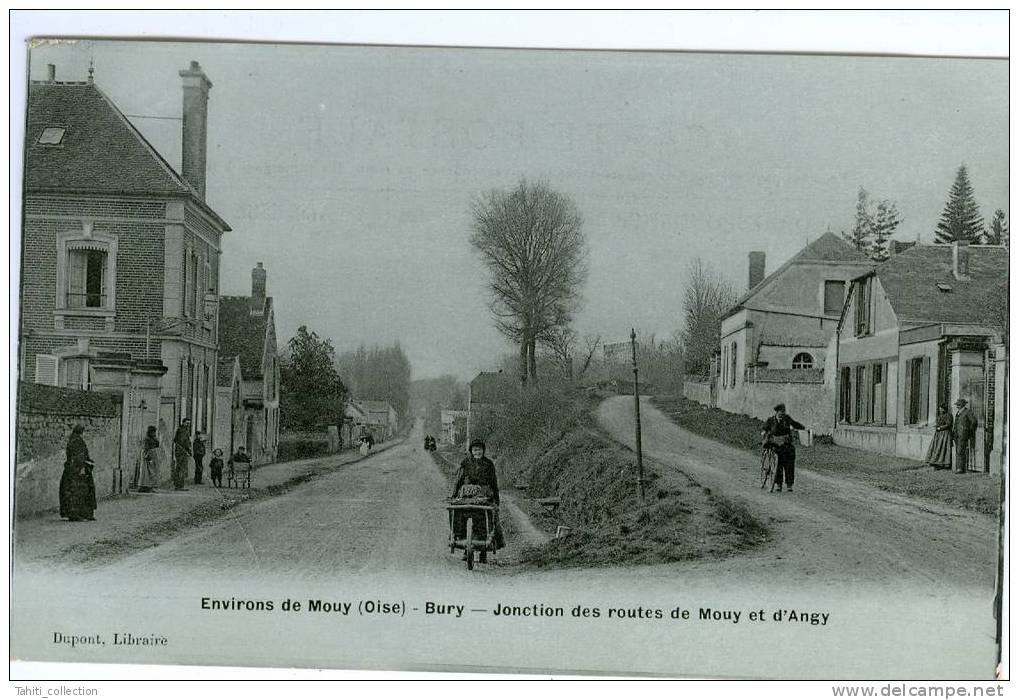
[
  {"x": 198, "y": 452},
  {"x": 964, "y": 432},
  {"x": 181, "y": 454},
  {"x": 778, "y": 431}
]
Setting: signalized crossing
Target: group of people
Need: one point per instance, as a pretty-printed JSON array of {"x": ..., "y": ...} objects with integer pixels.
[
  {"x": 960, "y": 431},
  {"x": 430, "y": 445},
  {"x": 186, "y": 450}
]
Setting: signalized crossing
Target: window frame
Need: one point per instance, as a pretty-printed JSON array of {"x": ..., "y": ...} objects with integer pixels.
[
  {"x": 87, "y": 240},
  {"x": 809, "y": 363},
  {"x": 864, "y": 317},
  {"x": 824, "y": 297}
]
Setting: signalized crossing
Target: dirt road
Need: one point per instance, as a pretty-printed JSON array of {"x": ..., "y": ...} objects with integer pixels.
[{"x": 828, "y": 528}]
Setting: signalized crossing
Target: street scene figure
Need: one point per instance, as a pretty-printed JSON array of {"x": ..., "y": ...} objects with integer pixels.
[
  {"x": 477, "y": 482},
  {"x": 198, "y": 450},
  {"x": 239, "y": 468},
  {"x": 216, "y": 467},
  {"x": 964, "y": 431},
  {"x": 77, "y": 489},
  {"x": 939, "y": 454},
  {"x": 148, "y": 473},
  {"x": 778, "y": 431},
  {"x": 181, "y": 454}
]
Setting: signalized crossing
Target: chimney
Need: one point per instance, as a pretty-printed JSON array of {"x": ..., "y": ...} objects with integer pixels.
[
  {"x": 51, "y": 72},
  {"x": 194, "y": 130},
  {"x": 258, "y": 275},
  {"x": 960, "y": 260},
  {"x": 756, "y": 268}
]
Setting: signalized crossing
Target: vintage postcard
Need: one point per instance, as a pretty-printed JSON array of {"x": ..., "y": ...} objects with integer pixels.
[{"x": 602, "y": 362}]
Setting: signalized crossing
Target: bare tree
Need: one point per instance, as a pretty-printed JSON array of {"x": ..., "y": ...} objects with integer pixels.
[
  {"x": 706, "y": 298},
  {"x": 591, "y": 345},
  {"x": 559, "y": 342},
  {"x": 531, "y": 240}
]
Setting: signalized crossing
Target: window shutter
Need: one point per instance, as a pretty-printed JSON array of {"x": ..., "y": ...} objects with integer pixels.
[
  {"x": 47, "y": 369},
  {"x": 925, "y": 382},
  {"x": 77, "y": 264}
]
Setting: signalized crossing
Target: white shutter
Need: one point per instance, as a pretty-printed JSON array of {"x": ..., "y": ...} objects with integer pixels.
[
  {"x": 77, "y": 262},
  {"x": 47, "y": 369}
]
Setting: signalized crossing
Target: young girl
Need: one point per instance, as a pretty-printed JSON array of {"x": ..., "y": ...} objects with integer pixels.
[{"x": 216, "y": 467}]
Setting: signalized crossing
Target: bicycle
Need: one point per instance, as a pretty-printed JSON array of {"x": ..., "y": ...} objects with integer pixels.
[{"x": 769, "y": 466}]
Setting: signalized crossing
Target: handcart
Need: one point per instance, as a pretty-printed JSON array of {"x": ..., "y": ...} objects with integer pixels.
[{"x": 472, "y": 528}]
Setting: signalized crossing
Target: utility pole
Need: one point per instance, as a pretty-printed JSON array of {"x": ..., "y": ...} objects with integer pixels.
[{"x": 636, "y": 414}]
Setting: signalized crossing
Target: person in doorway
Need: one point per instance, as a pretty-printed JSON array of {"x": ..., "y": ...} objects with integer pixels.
[
  {"x": 477, "y": 479},
  {"x": 198, "y": 452},
  {"x": 77, "y": 488},
  {"x": 181, "y": 454},
  {"x": 778, "y": 432},
  {"x": 216, "y": 467},
  {"x": 964, "y": 432},
  {"x": 148, "y": 476},
  {"x": 939, "y": 454}
]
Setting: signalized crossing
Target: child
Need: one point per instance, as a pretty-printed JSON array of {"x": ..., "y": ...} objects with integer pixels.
[{"x": 216, "y": 467}]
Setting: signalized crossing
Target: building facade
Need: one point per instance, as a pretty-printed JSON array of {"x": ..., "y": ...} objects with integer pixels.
[
  {"x": 120, "y": 258},
  {"x": 247, "y": 344},
  {"x": 775, "y": 341},
  {"x": 921, "y": 331}
]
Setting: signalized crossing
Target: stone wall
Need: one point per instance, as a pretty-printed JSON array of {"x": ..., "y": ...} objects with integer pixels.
[
  {"x": 46, "y": 416},
  {"x": 699, "y": 391}
]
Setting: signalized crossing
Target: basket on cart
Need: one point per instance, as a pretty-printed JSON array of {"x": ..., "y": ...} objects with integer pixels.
[{"x": 472, "y": 527}]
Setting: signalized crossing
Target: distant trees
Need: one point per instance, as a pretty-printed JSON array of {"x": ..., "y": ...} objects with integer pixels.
[
  {"x": 531, "y": 240},
  {"x": 378, "y": 374},
  {"x": 311, "y": 391},
  {"x": 873, "y": 226},
  {"x": 706, "y": 298},
  {"x": 960, "y": 219},
  {"x": 998, "y": 232}
]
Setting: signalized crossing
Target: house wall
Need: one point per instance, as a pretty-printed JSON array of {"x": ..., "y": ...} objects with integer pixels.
[{"x": 43, "y": 428}]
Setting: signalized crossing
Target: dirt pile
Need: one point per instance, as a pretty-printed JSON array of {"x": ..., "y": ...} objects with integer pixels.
[{"x": 551, "y": 448}]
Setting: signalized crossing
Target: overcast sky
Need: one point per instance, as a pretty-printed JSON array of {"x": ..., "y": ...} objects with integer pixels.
[{"x": 349, "y": 171}]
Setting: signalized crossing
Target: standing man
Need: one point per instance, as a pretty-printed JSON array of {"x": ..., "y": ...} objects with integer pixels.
[
  {"x": 198, "y": 450},
  {"x": 181, "y": 454},
  {"x": 964, "y": 431},
  {"x": 778, "y": 430}
]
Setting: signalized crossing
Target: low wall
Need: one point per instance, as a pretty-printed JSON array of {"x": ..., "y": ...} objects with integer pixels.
[
  {"x": 699, "y": 392},
  {"x": 880, "y": 440},
  {"x": 46, "y": 416},
  {"x": 812, "y": 404}
]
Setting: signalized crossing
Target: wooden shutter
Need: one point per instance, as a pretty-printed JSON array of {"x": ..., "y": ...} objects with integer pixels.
[
  {"x": 77, "y": 264},
  {"x": 925, "y": 388},
  {"x": 47, "y": 369}
]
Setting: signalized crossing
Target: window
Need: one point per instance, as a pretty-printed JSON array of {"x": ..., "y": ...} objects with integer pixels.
[
  {"x": 863, "y": 320},
  {"x": 917, "y": 388},
  {"x": 845, "y": 395},
  {"x": 725, "y": 366},
  {"x": 834, "y": 297},
  {"x": 803, "y": 361},
  {"x": 732, "y": 356},
  {"x": 86, "y": 279},
  {"x": 859, "y": 395},
  {"x": 877, "y": 393},
  {"x": 86, "y": 271},
  {"x": 51, "y": 136}
]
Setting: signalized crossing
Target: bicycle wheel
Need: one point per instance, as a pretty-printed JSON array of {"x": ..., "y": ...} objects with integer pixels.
[
  {"x": 766, "y": 467},
  {"x": 772, "y": 469}
]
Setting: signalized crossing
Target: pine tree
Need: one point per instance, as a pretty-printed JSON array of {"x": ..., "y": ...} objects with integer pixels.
[
  {"x": 885, "y": 222},
  {"x": 998, "y": 233},
  {"x": 960, "y": 219},
  {"x": 863, "y": 228}
]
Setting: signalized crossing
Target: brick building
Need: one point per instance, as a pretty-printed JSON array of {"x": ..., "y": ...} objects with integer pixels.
[
  {"x": 120, "y": 258},
  {"x": 248, "y": 384}
]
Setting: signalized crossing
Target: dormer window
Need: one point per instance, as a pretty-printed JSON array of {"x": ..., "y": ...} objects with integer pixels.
[{"x": 51, "y": 136}]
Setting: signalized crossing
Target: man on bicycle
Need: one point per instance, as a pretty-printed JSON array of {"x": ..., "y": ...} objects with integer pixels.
[{"x": 778, "y": 436}]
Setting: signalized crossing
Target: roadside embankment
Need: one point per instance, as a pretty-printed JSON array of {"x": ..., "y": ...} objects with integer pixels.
[
  {"x": 547, "y": 445},
  {"x": 973, "y": 491}
]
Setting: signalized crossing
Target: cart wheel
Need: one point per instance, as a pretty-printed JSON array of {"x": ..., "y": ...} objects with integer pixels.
[{"x": 469, "y": 544}]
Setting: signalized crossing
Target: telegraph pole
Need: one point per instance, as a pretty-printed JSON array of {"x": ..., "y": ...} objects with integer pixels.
[{"x": 636, "y": 414}]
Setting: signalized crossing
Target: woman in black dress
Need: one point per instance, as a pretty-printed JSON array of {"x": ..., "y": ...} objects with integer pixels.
[
  {"x": 477, "y": 480},
  {"x": 77, "y": 489}
]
